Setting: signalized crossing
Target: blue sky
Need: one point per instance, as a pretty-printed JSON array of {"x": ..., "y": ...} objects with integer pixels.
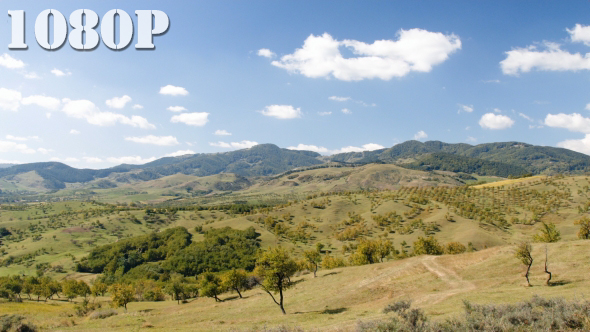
[{"x": 461, "y": 71}]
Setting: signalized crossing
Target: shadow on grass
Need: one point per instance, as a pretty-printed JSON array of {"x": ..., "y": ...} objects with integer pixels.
[
  {"x": 334, "y": 311},
  {"x": 559, "y": 283},
  {"x": 331, "y": 274}
]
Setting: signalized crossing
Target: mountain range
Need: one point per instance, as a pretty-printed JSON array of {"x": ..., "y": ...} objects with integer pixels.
[{"x": 493, "y": 159}]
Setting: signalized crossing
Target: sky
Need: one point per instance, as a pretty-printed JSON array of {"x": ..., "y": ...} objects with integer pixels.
[{"x": 325, "y": 76}]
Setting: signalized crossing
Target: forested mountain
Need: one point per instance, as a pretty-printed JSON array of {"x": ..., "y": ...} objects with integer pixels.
[
  {"x": 500, "y": 159},
  {"x": 534, "y": 159},
  {"x": 6, "y": 165}
]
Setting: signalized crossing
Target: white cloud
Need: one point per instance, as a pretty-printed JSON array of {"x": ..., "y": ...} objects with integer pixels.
[
  {"x": 324, "y": 113},
  {"x": 314, "y": 148},
  {"x": 265, "y": 52},
  {"x": 74, "y": 132},
  {"x": 234, "y": 145},
  {"x": 471, "y": 139},
  {"x": 587, "y": 107},
  {"x": 49, "y": 103},
  {"x": 137, "y": 107},
  {"x": 192, "y": 119},
  {"x": 572, "y": 122},
  {"x": 578, "y": 145},
  {"x": 22, "y": 139},
  {"x": 176, "y": 109},
  {"x": 118, "y": 102},
  {"x": 10, "y": 100},
  {"x": 580, "y": 34},
  {"x": 366, "y": 147},
  {"x": 495, "y": 121},
  {"x": 341, "y": 99},
  {"x": 4, "y": 161},
  {"x": 7, "y": 146},
  {"x": 550, "y": 58},
  {"x": 491, "y": 81},
  {"x": 135, "y": 160},
  {"x": 60, "y": 73},
  {"x": 172, "y": 90},
  {"x": 414, "y": 50},
  {"x": 155, "y": 140},
  {"x": 48, "y": 115},
  {"x": 92, "y": 160},
  {"x": 346, "y": 111},
  {"x": 9, "y": 62},
  {"x": 222, "y": 133},
  {"x": 44, "y": 151},
  {"x": 180, "y": 153},
  {"x": 465, "y": 108},
  {"x": 497, "y": 110},
  {"x": 420, "y": 135},
  {"x": 524, "y": 116},
  {"x": 85, "y": 109},
  {"x": 282, "y": 112},
  {"x": 32, "y": 76}
]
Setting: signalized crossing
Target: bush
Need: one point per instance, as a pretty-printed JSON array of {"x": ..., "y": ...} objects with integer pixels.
[
  {"x": 15, "y": 323},
  {"x": 454, "y": 248},
  {"x": 427, "y": 246},
  {"x": 102, "y": 314}
]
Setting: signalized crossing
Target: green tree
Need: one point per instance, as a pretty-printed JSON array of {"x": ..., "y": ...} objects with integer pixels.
[
  {"x": 83, "y": 289},
  {"x": 175, "y": 287},
  {"x": 548, "y": 233},
  {"x": 236, "y": 280},
  {"x": 99, "y": 288},
  {"x": 454, "y": 248},
  {"x": 584, "y": 231},
  {"x": 275, "y": 267},
  {"x": 427, "y": 246},
  {"x": 312, "y": 260},
  {"x": 210, "y": 285},
  {"x": 70, "y": 289},
  {"x": 121, "y": 295},
  {"x": 524, "y": 254}
]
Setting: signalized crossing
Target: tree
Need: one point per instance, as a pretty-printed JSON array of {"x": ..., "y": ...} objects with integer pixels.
[
  {"x": 312, "y": 260},
  {"x": 276, "y": 268},
  {"x": 121, "y": 295},
  {"x": 175, "y": 288},
  {"x": 70, "y": 289},
  {"x": 523, "y": 253},
  {"x": 427, "y": 246},
  {"x": 547, "y": 266},
  {"x": 454, "y": 248},
  {"x": 210, "y": 285},
  {"x": 584, "y": 232},
  {"x": 83, "y": 289},
  {"x": 235, "y": 280},
  {"x": 99, "y": 288},
  {"x": 549, "y": 233}
]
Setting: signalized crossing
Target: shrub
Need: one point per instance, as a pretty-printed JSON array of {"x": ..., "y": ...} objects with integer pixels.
[
  {"x": 15, "y": 323},
  {"x": 427, "y": 246},
  {"x": 331, "y": 262},
  {"x": 549, "y": 233},
  {"x": 454, "y": 248},
  {"x": 102, "y": 314}
]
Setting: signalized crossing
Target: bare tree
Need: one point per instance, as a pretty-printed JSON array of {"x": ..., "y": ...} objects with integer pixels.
[{"x": 547, "y": 266}]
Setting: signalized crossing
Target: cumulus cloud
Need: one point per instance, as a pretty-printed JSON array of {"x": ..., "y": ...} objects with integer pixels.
[
  {"x": 346, "y": 111},
  {"x": 222, "y": 133},
  {"x": 44, "y": 151},
  {"x": 234, "y": 145},
  {"x": 49, "y": 103},
  {"x": 9, "y": 62},
  {"x": 198, "y": 119},
  {"x": 420, "y": 135},
  {"x": 74, "y": 132},
  {"x": 314, "y": 148},
  {"x": 549, "y": 56},
  {"x": 580, "y": 34},
  {"x": 172, "y": 90},
  {"x": 176, "y": 109},
  {"x": 341, "y": 99},
  {"x": 414, "y": 50},
  {"x": 92, "y": 160},
  {"x": 573, "y": 122},
  {"x": 137, "y": 107},
  {"x": 154, "y": 140},
  {"x": 495, "y": 121},
  {"x": 134, "y": 160},
  {"x": 180, "y": 153},
  {"x": 87, "y": 110},
  {"x": 118, "y": 102},
  {"x": 282, "y": 112},
  {"x": 8, "y": 146},
  {"x": 60, "y": 73},
  {"x": 10, "y": 99},
  {"x": 471, "y": 139},
  {"x": 465, "y": 108},
  {"x": 21, "y": 139},
  {"x": 366, "y": 147},
  {"x": 324, "y": 113},
  {"x": 32, "y": 76},
  {"x": 265, "y": 52}
]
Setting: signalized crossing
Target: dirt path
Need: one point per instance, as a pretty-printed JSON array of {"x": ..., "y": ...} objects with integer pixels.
[{"x": 456, "y": 284}]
